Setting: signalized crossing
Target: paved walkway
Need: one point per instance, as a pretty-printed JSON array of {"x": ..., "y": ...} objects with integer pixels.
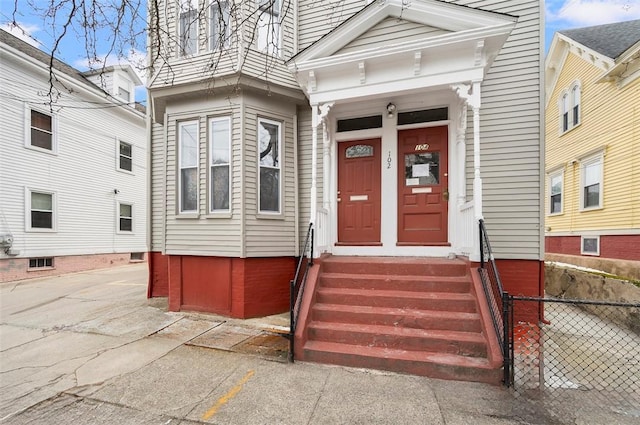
[{"x": 89, "y": 348}]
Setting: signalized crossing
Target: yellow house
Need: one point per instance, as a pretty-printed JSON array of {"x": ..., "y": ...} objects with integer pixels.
[{"x": 592, "y": 118}]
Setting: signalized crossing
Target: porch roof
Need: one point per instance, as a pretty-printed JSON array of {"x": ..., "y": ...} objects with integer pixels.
[{"x": 459, "y": 47}]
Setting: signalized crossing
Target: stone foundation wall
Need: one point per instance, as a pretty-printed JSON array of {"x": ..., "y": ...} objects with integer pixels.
[{"x": 569, "y": 283}]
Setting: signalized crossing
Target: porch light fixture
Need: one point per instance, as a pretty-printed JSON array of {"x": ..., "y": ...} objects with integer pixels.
[{"x": 391, "y": 109}]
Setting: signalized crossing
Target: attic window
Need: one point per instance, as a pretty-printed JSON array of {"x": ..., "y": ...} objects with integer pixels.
[
  {"x": 124, "y": 94},
  {"x": 363, "y": 123},
  {"x": 425, "y": 115}
]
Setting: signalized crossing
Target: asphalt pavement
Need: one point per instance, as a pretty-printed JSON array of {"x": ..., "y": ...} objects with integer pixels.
[{"x": 90, "y": 348}]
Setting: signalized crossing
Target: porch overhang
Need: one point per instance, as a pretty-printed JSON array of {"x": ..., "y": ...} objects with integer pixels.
[{"x": 461, "y": 51}]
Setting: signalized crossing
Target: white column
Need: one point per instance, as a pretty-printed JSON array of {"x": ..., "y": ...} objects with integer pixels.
[
  {"x": 462, "y": 154},
  {"x": 477, "y": 180},
  {"x": 314, "y": 164}
]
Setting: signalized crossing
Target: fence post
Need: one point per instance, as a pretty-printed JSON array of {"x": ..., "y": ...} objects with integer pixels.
[{"x": 506, "y": 338}]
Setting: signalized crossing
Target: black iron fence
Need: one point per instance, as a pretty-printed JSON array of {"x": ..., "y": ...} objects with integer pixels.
[{"x": 583, "y": 354}]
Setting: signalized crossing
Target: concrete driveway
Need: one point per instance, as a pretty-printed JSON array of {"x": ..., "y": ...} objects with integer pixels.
[{"x": 90, "y": 348}]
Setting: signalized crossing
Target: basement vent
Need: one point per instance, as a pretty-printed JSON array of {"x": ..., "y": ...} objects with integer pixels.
[{"x": 137, "y": 256}]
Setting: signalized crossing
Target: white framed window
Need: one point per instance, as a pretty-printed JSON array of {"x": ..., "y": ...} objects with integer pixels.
[
  {"x": 124, "y": 94},
  {"x": 125, "y": 156},
  {"x": 188, "y": 27},
  {"x": 591, "y": 182},
  {"x": 41, "y": 130},
  {"x": 570, "y": 107},
  {"x": 219, "y": 24},
  {"x": 40, "y": 209},
  {"x": 269, "y": 164},
  {"x": 555, "y": 192},
  {"x": 268, "y": 28},
  {"x": 219, "y": 164},
  {"x": 590, "y": 245},
  {"x": 125, "y": 217},
  {"x": 188, "y": 166}
]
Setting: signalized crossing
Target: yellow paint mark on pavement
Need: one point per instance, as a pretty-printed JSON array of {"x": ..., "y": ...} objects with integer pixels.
[{"x": 228, "y": 396}]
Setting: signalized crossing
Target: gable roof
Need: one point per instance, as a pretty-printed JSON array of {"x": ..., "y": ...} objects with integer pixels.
[
  {"x": 457, "y": 44},
  {"x": 613, "y": 48},
  {"x": 610, "y": 40}
]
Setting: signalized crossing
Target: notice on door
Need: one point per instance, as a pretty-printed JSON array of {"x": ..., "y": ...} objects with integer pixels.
[{"x": 359, "y": 198}]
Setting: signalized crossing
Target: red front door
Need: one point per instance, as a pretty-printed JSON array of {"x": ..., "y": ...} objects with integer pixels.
[
  {"x": 359, "y": 192},
  {"x": 423, "y": 186}
]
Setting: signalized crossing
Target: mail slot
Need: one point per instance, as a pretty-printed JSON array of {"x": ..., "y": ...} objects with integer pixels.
[{"x": 359, "y": 198}]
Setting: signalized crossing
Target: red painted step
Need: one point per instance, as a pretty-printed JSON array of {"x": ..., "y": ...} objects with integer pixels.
[{"x": 405, "y": 314}]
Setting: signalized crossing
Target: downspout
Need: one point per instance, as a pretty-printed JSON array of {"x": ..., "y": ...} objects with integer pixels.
[{"x": 296, "y": 209}]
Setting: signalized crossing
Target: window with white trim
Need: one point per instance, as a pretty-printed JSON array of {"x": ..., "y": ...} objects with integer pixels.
[
  {"x": 219, "y": 24},
  {"x": 555, "y": 192},
  {"x": 125, "y": 156},
  {"x": 569, "y": 107},
  {"x": 591, "y": 182},
  {"x": 188, "y": 28},
  {"x": 41, "y": 130},
  {"x": 590, "y": 245},
  {"x": 268, "y": 28},
  {"x": 188, "y": 166},
  {"x": 41, "y": 263},
  {"x": 220, "y": 164},
  {"x": 41, "y": 208},
  {"x": 269, "y": 148},
  {"x": 125, "y": 217}
]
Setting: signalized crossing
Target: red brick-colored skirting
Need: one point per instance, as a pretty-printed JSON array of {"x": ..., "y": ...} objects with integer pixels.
[
  {"x": 18, "y": 268},
  {"x": 237, "y": 287},
  {"x": 622, "y": 247}
]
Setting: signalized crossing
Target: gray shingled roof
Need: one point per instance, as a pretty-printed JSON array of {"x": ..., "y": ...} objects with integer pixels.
[{"x": 610, "y": 40}]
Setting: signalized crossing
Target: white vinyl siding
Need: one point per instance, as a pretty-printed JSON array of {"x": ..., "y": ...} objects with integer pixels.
[
  {"x": 158, "y": 186},
  {"x": 82, "y": 174}
]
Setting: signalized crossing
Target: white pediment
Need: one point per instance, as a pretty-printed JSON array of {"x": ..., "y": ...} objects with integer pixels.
[{"x": 391, "y": 45}]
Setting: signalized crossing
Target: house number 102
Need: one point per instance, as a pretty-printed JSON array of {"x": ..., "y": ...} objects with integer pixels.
[{"x": 422, "y": 147}]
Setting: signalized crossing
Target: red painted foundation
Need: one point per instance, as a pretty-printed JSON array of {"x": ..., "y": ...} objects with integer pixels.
[
  {"x": 236, "y": 287},
  {"x": 622, "y": 247}
]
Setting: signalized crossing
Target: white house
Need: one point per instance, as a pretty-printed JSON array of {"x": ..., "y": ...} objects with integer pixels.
[
  {"x": 388, "y": 127},
  {"x": 73, "y": 167}
]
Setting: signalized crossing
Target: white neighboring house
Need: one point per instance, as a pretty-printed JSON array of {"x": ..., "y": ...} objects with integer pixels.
[{"x": 73, "y": 172}]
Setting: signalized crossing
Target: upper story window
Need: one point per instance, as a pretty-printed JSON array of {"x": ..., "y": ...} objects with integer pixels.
[
  {"x": 591, "y": 182},
  {"x": 219, "y": 24},
  {"x": 188, "y": 166},
  {"x": 124, "y": 94},
  {"x": 41, "y": 131},
  {"x": 220, "y": 157},
  {"x": 41, "y": 210},
  {"x": 125, "y": 156},
  {"x": 555, "y": 192},
  {"x": 269, "y": 146},
  {"x": 570, "y": 108},
  {"x": 268, "y": 29},
  {"x": 188, "y": 27}
]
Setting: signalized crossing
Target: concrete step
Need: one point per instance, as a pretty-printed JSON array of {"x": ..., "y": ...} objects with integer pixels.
[
  {"x": 407, "y": 266},
  {"x": 438, "y": 301},
  {"x": 435, "y": 365},
  {"x": 399, "y": 317},
  {"x": 468, "y": 344},
  {"x": 421, "y": 283}
]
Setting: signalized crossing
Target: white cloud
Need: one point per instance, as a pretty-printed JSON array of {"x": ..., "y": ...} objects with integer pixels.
[
  {"x": 584, "y": 13},
  {"x": 136, "y": 59},
  {"x": 23, "y": 32}
]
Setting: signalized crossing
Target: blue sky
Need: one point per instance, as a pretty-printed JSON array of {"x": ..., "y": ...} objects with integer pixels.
[{"x": 559, "y": 15}]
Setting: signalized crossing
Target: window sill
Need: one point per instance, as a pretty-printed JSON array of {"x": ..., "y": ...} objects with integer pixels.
[
  {"x": 562, "y": 133},
  {"x": 555, "y": 214},
  {"x": 52, "y": 152},
  {"x": 187, "y": 216},
  {"x": 268, "y": 216},
  {"x": 36, "y": 230},
  {"x": 124, "y": 232},
  {"x": 120, "y": 170},
  {"x": 591, "y": 209},
  {"x": 39, "y": 269}
]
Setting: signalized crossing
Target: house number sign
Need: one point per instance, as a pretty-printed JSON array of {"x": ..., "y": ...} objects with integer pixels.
[{"x": 422, "y": 147}]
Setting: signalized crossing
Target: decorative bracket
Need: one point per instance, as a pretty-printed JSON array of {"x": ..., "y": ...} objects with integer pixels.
[
  {"x": 465, "y": 92},
  {"x": 312, "y": 81},
  {"x": 363, "y": 78},
  {"x": 478, "y": 55},
  {"x": 417, "y": 61}
]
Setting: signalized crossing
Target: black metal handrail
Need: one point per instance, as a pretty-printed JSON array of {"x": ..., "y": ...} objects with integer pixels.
[
  {"x": 496, "y": 296},
  {"x": 297, "y": 285}
]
